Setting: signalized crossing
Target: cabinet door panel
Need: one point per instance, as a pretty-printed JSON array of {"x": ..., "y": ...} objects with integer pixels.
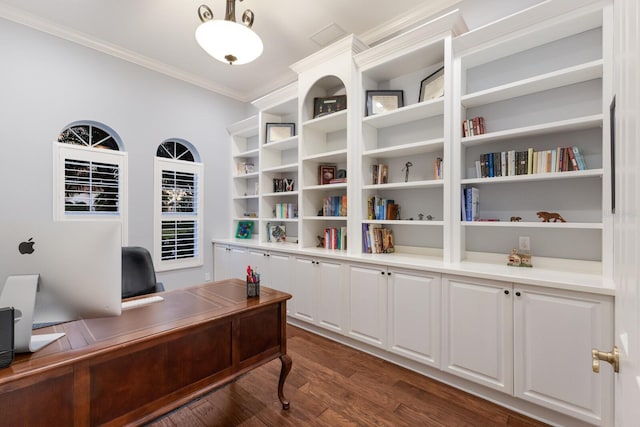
[
  {"x": 478, "y": 327},
  {"x": 330, "y": 295},
  {"x": 238, "y": 261},
  {"x": 414, "y": 320},
  {"x": 303, "y": 289},
  {"x": 554, "y": 334},
  {"x": 368, "y": 305}
]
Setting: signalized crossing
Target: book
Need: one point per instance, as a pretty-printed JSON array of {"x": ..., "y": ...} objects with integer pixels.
[
  {"x": 579, "y": 158},
  {"x": 472, "y": 204}
]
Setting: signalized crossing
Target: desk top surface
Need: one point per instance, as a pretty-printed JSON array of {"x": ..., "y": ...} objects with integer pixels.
[{"x": 181, "y": 308}]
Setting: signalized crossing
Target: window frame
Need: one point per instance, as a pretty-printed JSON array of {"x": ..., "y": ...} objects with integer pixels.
[{"x": 166, "y": 164}]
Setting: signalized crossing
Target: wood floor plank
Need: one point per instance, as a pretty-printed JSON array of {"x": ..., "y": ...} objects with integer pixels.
[{"x": 334, "y": 385}]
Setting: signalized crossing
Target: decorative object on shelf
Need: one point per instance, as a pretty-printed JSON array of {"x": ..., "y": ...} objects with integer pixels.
[
  {"x": 279, "y": 131},
  {"x": 405, "y": 169},
  {"x": 328, "y": 105},
  {"x": 341, "y": 177},
  {"x": 253, "y": 282},
  {"x": 326, "y": 173},
  {"x": 281, "y": 185},
  {"x": 381, "y": 101},
  {"x": 244, "y": 230},
  {"x": 277, "y": 233},
  {"x": 250, "y": 214},
  {"x": 515, "y": 219},
  {"x": 226, "y": 40},
  {"x": 432, "y": 86},
  {"x": 548, "y": 216},
  {"x": 422, "y": 217},
  {"x": 519, "y": 260},
  {"x": 320, "y": 242}
]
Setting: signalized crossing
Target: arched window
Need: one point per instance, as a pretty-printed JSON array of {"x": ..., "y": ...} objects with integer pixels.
[
  {"x": 178, "y": 217},
  {"x": 89, "y": 173}
]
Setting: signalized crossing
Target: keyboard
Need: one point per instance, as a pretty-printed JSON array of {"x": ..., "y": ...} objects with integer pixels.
[{"x": 141, "y": 301}]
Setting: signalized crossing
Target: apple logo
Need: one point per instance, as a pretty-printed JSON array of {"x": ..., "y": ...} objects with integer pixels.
[{"x": 27, "y": 247}]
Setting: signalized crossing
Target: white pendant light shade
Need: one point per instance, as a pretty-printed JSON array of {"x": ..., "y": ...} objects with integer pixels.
[{"x": 229, "y": 41}]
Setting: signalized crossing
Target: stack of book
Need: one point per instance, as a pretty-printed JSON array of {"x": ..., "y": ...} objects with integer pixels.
[
  {"x": 376, "y": 239},
  {"x": 334, "y": 206},
  {"x": 470, "y": 204},
  {"x": 381, "y": 208},
  {"x": 286, "y": 210},
  {"x": 335, "y": 238},
  {"x": 511, "y": 163},
  {"x": 472, "y": 127}
]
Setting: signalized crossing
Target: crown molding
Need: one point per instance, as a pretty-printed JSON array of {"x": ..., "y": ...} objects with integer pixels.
[
  {"x": 277, "y": 97},
  {"x": 349, "y": 43},
  {"x": 244, "y": 128},
  {"x": 409, "y": 19},
  {"x": 45, "y": 26}
]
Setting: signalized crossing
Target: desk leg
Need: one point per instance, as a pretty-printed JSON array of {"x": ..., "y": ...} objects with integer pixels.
[{"x": 286, "y": 367}]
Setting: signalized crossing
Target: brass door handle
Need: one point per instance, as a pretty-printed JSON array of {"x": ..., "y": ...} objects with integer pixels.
[{"x": 613, "y": 357}]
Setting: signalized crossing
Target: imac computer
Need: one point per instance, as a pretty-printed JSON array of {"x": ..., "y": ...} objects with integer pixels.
[{"x": 53, "y": 272}]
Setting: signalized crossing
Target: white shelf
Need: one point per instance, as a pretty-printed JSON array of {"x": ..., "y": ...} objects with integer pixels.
[
  {"x": 405, "y": 185},
  {"x": 329, "y": 123},
  {"x": 406, "y": 114},
  {"x": 325, "y": 218},
  {"x": 325, "y": 187},
  {"x": 245, "y": 218},
  {"x": 245, "y": 197},
  {"x": 274, "y": 219},
  {"x": 329, "y": 156},
  {"x": 280, "y": 194},
  {"x": 247, "y": 175},
  {"x": 580, "y": 123},
  {"x": 551, "y": 176},
  {"x": 568, "y": 76},
  {"x": 549, "y": 225},
  {"x": 292, "y": 167},
  {"x": 282, "y": 145},
  {"x": 250, "y": 153},
  {"x": 418, "y": 223},
  {"x": 406, "y": 149}
]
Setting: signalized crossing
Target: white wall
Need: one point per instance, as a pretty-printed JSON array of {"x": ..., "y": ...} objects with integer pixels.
[{"x": 47, "y": 83}]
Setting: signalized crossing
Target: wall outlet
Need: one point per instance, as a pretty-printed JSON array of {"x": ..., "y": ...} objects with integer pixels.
[
  {"x": 207, "y": 276},
  {"x": 524, "y": 243}
]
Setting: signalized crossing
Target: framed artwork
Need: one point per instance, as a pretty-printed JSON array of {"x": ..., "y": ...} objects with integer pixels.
[
  {"x": 326, "y": 173},
  {"x": 432, "y": 86},
  {"x": 244, "y": 230},
  {"x": 328, "y": 105},
  {"x": 277, "y": 233},
  {"x": 381, "y": 101},
  {"x": 279, "y": 131}
]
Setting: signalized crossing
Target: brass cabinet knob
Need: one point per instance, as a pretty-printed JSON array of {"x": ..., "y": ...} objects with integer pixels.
[{"x": 612, "y": 357}]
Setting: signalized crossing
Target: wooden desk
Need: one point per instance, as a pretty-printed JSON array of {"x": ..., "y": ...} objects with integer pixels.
[{"x": 130, "y": 369}]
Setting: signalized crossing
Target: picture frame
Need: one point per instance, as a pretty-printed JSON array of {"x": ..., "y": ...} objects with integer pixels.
[
  {"x": 326, "y": 173},
  {"x": 277, "y": 233},
  {"x": 244, "y": 230},
  {"x": 279, "y": 131},
  {"x": 381, "y": 101},
  {"x": 432, "y": 86},
  {"x": 328, "y": 105}
]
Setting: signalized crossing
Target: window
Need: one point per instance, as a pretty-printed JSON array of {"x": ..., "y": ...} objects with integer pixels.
[
  {"x": 89, "y": 174},
  {"x": 178, "y": 218}
]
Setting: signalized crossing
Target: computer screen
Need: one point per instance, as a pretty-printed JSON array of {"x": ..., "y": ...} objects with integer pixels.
[{"x": 77, "y": 265}]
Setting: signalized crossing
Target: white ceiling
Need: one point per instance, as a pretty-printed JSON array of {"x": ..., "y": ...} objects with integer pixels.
[{"x": 159, "y": 34}]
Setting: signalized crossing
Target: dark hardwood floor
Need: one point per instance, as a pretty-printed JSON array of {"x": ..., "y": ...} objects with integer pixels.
[{"x": 334, "y": 385}]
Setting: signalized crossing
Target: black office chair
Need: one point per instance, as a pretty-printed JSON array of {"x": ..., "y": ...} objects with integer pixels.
[{"x": 138, "y": 274}]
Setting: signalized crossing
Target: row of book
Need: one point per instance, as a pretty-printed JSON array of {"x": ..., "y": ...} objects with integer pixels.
[
  {"x": 335, "y": 238},
  {"x": 381, "y": 208},
  {"x": 470, "y": 204},
  {"x": 379, "y": 174},
  {"x": 510, "y": 163},
  {"x": 243, "y": 168},
  {"x": 473, "y": 126},
  {"x": 334, "y": 206},
  {"x": 376, "y": 239},
  {"x": 286, "y": 210}
]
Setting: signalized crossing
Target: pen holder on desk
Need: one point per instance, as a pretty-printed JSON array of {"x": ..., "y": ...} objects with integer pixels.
[{"x": 253, "y": 287}]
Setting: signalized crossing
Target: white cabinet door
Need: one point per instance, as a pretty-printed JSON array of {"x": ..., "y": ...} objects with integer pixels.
[
  {"x": 229, "y": 262},
  {"x": 330, "y": 295},
  {"x": 554, "y": 332},
  {"x": 303, "y": 289},
  {"x": 259, "y": 261},
  {"x": 414, "y": 315},
  {"x": 478, "y": 331},
  {"x": 279, "y": 272},
  {"x": 368, "y": 304}
]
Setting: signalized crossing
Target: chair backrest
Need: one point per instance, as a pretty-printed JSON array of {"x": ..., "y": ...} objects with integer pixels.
[{"x": 138, "y": 274}]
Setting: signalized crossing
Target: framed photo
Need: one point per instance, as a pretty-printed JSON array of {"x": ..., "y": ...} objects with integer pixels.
[
  {"x": 244, "y": 230},
  {"x": 381, "y": 101},
  {"x": 277, "y": 233},
  {"x": 279, "y": 131},
  {"x": 328, "y": 105},
  {"x": 326, "y": 173},
  {"x": 432, "y": 86}
]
